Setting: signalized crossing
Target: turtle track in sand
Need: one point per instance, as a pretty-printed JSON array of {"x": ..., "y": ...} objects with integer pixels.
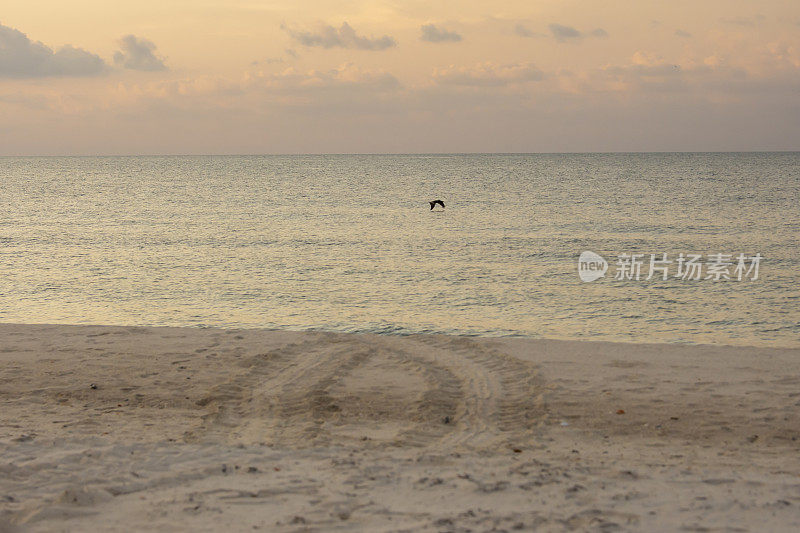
[{"x": 338, "y": 390}]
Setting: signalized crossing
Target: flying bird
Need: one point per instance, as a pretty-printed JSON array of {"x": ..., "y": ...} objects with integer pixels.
[{"x": 433, "y": 204}]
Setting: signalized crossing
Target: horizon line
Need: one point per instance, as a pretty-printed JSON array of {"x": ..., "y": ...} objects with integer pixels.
[{"x": 283, "y": 154}]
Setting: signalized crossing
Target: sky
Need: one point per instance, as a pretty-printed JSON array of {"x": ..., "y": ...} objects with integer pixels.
[{"x": 91, "y": 77}]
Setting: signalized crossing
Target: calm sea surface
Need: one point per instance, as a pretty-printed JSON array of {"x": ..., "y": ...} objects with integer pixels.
[{"x": 348, "y": 243}]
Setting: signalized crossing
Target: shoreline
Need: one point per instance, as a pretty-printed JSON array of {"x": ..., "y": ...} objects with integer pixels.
[
  {"x": 121, "y": 428},
  {"x": 478, "y": 336}
]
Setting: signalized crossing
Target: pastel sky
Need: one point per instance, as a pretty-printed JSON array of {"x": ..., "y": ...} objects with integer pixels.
[{"x": 310, "y": 76}]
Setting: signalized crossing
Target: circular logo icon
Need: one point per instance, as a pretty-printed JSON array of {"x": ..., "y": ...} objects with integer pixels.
[{"x": 591, "y": 266}]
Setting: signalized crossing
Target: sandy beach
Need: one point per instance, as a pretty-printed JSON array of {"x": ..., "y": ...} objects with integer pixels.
[{"x": 176, "y": 429}]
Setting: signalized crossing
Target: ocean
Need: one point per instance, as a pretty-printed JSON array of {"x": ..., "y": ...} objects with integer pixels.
[{"x": 349, "y": 243}]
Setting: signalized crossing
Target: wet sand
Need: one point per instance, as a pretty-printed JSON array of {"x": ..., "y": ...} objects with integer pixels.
[{"x": 174, "y": 429}]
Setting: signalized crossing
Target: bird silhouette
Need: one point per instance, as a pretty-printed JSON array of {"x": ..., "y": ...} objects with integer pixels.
[{"x": 433, "y": 204}]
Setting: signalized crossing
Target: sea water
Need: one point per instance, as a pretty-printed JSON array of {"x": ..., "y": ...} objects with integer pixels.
[{"x": 349, "y": 243}]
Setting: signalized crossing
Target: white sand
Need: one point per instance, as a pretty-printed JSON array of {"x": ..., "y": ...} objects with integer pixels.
[{"x": 209, "y": 430}]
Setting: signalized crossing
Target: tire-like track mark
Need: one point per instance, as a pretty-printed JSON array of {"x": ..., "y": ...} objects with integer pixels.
[
  {"x": 474, "y": 397},
  {"x": 503, "y": 400}
]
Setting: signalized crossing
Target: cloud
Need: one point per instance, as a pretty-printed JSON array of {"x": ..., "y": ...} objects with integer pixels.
[
  {"x": 564, "y": 34},
  {"x": 138, "y": 54},
  {"x": 488, "y": 75},
  {"x": 343, "y": 37},
  {"x": 747, "y": 22},
  {"x": 698, "y": 106},
  {"x": 432, "y": 34},
  {"x": 347, "y": 90},
  {"x": 523, "y": 31},
  {"x": 22, "y": 58},
  {"x": 711, "y": 78},
  {"x": 783, "y": 55},
  {"x": 681, "y": 33},
  {"x": 645, "y": 65},
  {"x": 345, "y": 77},
  {"x": 291, "y": 87},
  {"x": 268, "y": 61}
]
